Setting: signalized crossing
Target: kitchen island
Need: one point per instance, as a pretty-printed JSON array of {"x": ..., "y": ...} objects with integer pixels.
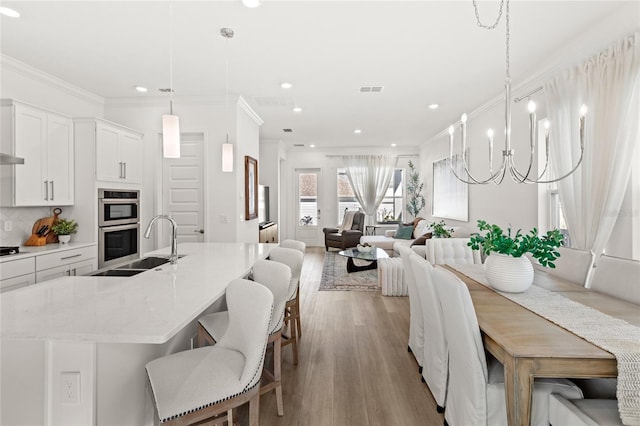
[{"x": 74, "y": 348}]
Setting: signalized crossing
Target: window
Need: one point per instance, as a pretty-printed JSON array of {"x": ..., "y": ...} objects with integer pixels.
[
  {"x": 308, "y": 199},
  {"x": 390, "y": 210}
]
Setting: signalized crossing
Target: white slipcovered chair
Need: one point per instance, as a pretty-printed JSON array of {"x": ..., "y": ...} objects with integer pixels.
[
  {"x": 583, "y": 412},
  {"x": 617, "y": 277},
  {"x": 573, "y": 265},
  {"x": 276, "y": 277},
  {"x": 191, "y": 386},
  {"x": 416, "y": 322},
  {"x": 451, "y": 250},
  {"x": 475, "y": 392},
  {"x": 293, "y": 259},
  {"x": 436, "y": 353}
]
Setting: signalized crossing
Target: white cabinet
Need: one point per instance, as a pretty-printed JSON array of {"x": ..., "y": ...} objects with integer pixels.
[
  {"x": 118, "y": 153},
  {"x": 17, "y": 273},
  {"x": 45, "y": 140},
  {"x": 75, "y": 262}
]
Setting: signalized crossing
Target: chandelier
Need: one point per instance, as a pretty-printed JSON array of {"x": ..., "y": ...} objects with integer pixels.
[{"x": 507, "y": 154}]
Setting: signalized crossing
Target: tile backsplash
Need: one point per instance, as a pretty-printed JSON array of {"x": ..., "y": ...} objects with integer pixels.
[{"x": 22, "y": 220}]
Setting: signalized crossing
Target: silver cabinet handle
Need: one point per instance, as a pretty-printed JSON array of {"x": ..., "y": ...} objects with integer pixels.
[
  {"x": 46, "y": 190},
  {"x": 72, "y": 256},
  {"x": 201, "y": 231},
  {"x": 125, "y": 170},
  {"x": 51, "y": 190},
  {"x": 120, "y": 171}
]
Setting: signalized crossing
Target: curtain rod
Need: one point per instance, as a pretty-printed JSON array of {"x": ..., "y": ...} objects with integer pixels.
[
  {"x": 520, "y": 98},
  {"x": 399, "y": 155}
]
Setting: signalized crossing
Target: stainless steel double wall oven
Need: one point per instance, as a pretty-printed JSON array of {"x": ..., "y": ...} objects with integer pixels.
[{"x": 118, "y": 226}]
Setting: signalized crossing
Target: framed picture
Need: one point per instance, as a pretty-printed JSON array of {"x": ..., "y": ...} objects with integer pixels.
[
  {"x": 450, "y": 196},
  {"x": 250, "y": 188}
]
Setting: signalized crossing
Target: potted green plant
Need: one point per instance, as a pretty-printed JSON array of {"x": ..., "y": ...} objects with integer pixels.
[
  {"x": 440, "y": 230},
  {"x": 64, "y": 228},
  {"x": 506, "y": 267}
]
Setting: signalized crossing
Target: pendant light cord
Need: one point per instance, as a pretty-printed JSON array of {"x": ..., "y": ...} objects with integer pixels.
[
  {"x": 171, "y": 58},
  {"x": 227, "y": 87}
]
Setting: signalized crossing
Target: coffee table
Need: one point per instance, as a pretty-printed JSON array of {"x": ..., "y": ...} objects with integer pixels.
[{"x": 371, "y": 256}]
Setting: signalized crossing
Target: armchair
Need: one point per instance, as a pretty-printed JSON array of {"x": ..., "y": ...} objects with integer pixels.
[{"x": 348, "y": 237}]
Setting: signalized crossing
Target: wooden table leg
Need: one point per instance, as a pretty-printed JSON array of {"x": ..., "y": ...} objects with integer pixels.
[{"x": 518, "y": 387}]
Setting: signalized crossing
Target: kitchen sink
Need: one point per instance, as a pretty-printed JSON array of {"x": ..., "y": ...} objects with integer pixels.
[
  {"x": 136, "y": 267},
  {"x": 119, "y": 273}
]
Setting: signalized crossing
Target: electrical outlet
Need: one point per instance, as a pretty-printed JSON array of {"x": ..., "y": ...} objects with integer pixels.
[
  {"x": 8, "y": 226},
  {"x": 224, "y": 219},
  {"x": 70, "y": 387}
]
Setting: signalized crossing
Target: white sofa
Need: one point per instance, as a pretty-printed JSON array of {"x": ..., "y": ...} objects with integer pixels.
[{"x": 390, "y": 244}]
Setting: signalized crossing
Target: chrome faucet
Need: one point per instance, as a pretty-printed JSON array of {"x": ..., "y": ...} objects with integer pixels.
[{"x": 173, "y": 259}]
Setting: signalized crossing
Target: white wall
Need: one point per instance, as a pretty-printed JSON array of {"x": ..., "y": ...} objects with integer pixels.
[
  {"x": 27, "y": 84},
  {"x": 224, "y": 192},
  {"x": 271, "y": 154},
  {"x": 318, "y": 159},
  {"x": 517, "y": 204}
]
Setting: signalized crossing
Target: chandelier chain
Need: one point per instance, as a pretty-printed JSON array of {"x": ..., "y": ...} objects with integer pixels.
[{"x": 495, "y": 24}]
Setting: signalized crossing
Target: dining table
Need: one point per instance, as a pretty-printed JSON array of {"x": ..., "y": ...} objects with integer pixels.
[{"x": 530, "y": 346}]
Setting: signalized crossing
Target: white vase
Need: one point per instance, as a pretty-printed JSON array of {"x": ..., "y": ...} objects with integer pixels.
[
  {"x": 508, "y": 273},
  {"x": 64, "y": 239}
]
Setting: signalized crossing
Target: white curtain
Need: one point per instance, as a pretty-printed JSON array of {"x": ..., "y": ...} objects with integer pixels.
[
  {"x": 369, "y": 176},
  {"x": 609, "y": 85}
]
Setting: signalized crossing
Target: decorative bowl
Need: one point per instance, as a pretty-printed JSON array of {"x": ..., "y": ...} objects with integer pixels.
[{"x": 365, "y": 249}]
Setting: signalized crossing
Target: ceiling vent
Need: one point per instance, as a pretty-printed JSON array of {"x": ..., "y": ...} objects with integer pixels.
[
  {"x": 287, "y": 130},
  {"x": 371, "y": 89},
  {"x": 298, "y": 144}
]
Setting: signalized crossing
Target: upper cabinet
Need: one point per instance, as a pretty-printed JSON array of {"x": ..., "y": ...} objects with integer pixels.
[
  {"x": 45, "y": 140},
  {"x": 118, "y": 153}
]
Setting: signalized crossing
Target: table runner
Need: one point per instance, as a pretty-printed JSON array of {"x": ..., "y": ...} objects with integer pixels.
[{"x": 611, "y": 334}]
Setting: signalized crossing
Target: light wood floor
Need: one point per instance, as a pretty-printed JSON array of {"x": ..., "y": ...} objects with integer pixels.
[{"x": 354, "y": 368}]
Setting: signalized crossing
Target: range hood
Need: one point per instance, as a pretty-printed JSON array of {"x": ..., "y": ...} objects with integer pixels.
[{"x": 10, "y": 159}]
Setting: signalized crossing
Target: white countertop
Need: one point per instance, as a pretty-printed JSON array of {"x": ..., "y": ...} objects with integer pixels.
[
  {"x": 150, "y": 307},
  {"x": 31, "y": 251}
]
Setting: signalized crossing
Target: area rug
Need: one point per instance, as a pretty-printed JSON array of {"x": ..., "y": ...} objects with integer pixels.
[{"x": 336, "y": 277}]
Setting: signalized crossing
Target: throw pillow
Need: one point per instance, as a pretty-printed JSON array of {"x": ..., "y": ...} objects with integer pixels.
[
  {"x": 404, "y": 232},
  {"x": 420, "y": 241}
]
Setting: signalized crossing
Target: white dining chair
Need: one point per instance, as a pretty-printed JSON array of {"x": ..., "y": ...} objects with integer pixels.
[
  {"x": 191, "y": 386},
  {"x": 573, "y": 265},
  {"x": 436, "y": 353},
  {"x": 293, "y": 259},
  {"x": 617, "y": 277},
  {"x": 212, "y": 327},
  {"x": 416, "y": 322},
  {"x": 475, "y": 392},
  {"x": 583, "y": 412},
  {"x": 451, "y": 250}
]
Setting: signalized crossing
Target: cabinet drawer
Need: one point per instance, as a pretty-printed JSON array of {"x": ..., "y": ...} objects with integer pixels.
[
  {"x": 17, "y": 282},
  {"x": 66, "y": 257},
  {"x": 15, "y": 268}
]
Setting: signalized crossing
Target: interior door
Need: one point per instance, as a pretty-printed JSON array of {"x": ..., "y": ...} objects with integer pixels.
[
  {"x": 308, "y": 202},
  {"x": 183, "y": 182}
]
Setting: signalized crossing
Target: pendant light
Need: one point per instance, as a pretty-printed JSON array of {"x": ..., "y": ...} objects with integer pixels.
[
  {"x": 227, "y": 148},
  {"x": 170, "y": 122}
]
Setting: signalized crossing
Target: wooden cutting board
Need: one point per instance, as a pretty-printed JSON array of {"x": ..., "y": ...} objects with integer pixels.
[{"x": 51, "y": 237}]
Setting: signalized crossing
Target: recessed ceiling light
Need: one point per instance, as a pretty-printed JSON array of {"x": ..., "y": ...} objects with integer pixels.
[
  {"x": 312, "y": 146},
  {"x": 9, "y": 12},
  {"x": 286, "y": 85},
  {"x": 141, "y": 89},
  {"x": 251, "y": 3},
  {"x": 297, "y": 109},
  {"x": 393, "y": 144},
  {"x": 433, "y": 106},
  {"x": 357, "y": 131}
]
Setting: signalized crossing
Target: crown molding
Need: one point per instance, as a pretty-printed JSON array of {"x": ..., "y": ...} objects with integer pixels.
[
  {"x": 250, "y": 112},
  {"x": 9, "y": 63}
]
